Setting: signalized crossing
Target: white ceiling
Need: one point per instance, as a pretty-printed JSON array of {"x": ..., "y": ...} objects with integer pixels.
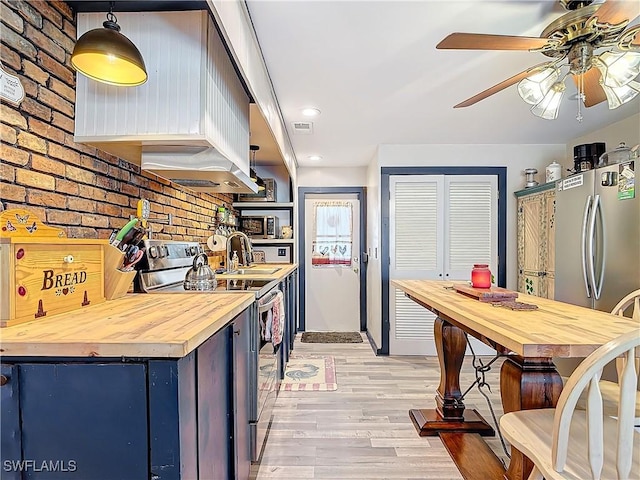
[{"x": 373, "y": 70}]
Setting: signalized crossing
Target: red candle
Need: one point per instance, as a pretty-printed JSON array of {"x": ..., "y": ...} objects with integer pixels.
[{"x": 481, "y": 276}]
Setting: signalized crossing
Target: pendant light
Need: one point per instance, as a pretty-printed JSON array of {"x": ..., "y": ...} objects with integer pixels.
[
  {"x": 253, "y": 175},
  {"x": 107, "y": 56}
]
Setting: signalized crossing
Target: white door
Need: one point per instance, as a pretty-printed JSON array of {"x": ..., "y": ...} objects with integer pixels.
[
  {"x": 439, "y": 227},
  {"x": 332, "y": 263}
]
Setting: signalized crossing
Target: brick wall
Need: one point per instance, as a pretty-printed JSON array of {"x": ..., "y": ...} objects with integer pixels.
[{"x": 77, "y": 187}]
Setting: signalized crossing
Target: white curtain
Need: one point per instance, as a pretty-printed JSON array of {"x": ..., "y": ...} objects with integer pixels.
[{"x": 332, "y": 234}]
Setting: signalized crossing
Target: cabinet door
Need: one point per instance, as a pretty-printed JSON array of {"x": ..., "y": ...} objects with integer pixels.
[
  {"x": 87, "y": 419},
  {"x": 242, "y": 356},
  {"x": 530, "y": 260},
  {"x": 10, "y": 438},
  {"x": 215, "y": 420},
  {"x": 550, "y": 242}
]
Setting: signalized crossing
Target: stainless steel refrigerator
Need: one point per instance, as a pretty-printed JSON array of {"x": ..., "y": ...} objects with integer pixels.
[{"x": 597, "y": 224}]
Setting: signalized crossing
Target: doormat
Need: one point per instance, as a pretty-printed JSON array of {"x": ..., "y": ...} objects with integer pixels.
[
  {"x": 331, "y": 337},
  {"x": 312, "y": 374}
]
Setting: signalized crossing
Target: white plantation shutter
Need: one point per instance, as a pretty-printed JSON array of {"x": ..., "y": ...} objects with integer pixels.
[
  {"x": 439, "y": 227},
  {"x": 470, "y": 224}
]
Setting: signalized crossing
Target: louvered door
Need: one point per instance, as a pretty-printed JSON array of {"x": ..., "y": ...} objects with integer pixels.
[{"x": 439, "y": 227}]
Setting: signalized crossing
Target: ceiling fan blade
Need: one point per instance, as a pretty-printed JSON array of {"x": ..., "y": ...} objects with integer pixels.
[
  {"x": 614, "y": 12},
  {"x": 482, "y": 41},
  {"x": 630, "y": 39},
  {"x": 593, "y": 92},
  {"x": 502, "y": 85}
]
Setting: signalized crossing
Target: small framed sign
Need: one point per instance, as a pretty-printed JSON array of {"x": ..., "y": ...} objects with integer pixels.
[{"x": 10, "y": 87}]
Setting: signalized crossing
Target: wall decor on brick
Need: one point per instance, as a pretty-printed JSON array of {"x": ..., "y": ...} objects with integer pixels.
[{"x": 81, "y": 189}]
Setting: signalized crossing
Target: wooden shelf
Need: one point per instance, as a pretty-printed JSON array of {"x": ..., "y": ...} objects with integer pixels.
[
  {"x": 263, "y": 205},
  {"x": 267, "y": 241}
]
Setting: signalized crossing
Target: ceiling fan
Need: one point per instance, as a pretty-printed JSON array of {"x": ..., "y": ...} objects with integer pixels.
[{"x": 603, "y": 57}]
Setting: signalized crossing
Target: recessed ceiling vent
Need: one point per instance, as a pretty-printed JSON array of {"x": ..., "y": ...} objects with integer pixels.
[
  {"x": 302, "y": 128},
  {"x": 191, "y": 182}
]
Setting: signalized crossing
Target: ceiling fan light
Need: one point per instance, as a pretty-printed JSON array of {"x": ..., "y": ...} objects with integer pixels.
[
  {"x": 107, "y": 56},
  {"x": 618, "y": 69},
  {"x": 549, "y": 107},
  {"x": 534, "y": 88},
  {"x": 617, "y": 96}
]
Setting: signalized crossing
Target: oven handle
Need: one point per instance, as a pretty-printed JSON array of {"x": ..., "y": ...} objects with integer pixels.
[{"x": 273, "y": 298}]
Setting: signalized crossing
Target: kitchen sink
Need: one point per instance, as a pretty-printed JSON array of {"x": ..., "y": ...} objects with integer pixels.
[{"x": 254, "y": 271}]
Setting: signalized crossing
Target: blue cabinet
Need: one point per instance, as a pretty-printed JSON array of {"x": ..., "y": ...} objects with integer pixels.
[{"x": 130, "y": 419}]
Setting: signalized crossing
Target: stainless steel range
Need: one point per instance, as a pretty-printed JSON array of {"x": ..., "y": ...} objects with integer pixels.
[{"x": 163, "y": 269}]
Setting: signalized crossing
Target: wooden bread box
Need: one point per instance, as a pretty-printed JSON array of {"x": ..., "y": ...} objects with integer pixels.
[{"x": 43, "y": 273}]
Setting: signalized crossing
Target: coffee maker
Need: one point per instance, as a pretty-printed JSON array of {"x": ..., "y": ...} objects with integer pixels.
[{"x": 585, "y": 157}]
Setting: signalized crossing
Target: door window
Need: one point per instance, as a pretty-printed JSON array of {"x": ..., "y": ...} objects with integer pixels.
[{"x": 332, "y": 234}]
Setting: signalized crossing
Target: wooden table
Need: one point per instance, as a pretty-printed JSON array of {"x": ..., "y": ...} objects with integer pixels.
[{"x": 528, "y": 378}]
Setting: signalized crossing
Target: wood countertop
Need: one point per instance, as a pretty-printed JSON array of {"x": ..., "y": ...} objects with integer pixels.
[
  {"x": 137, "y": 325},
  {"x": 285, "y": 270},
  {"x": 555, "y": 329}
]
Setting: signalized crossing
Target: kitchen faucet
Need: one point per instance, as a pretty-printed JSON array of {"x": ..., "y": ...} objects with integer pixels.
[{"x": 245, "y": 255}]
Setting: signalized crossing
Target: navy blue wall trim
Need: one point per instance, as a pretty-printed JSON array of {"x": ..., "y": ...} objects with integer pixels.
[
  {"x": 362, "y": 197},
  {"x": 385, "y": 258}
]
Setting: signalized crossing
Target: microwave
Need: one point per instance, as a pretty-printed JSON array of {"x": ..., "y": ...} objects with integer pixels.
[
  {"x": 266, "y": 195},
  {"x": 260, "y": 227}
]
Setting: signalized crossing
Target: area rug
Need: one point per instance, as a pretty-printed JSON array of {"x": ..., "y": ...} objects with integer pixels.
[
  {"x": 331, "y": 337},
  {"x": 307, "y": 373}
]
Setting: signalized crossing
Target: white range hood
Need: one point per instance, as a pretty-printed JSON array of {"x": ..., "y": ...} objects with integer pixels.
[
  {"x": 199, "y": 168},
  {"x": 190, "y": 122}
]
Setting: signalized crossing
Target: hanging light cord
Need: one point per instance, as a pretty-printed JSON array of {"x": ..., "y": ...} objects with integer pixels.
[{"x": 581, "y": 97}]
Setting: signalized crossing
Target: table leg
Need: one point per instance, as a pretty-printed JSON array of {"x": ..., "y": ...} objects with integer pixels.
[
  {"x": 450, "y": 414},
  {"x": 527, "y": 383}
]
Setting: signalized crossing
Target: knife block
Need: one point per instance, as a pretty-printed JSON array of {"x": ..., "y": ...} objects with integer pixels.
[{"x": 116, "y": 282}]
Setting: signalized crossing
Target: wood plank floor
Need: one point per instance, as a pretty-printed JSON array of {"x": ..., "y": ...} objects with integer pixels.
[{"x": 362, "y": 430}]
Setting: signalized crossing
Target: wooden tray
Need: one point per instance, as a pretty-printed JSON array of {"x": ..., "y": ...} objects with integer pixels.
[{"x": 492, "y": 294}]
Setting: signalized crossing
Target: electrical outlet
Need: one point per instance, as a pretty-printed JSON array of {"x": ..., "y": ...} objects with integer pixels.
[{"x": 282, "y": 252}]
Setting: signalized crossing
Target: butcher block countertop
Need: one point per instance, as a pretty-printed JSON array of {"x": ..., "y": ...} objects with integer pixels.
[
  {"x": 137, "y": 325},
  {"x": 285, "y": 270},
  {"x": 555, "y": 329}
]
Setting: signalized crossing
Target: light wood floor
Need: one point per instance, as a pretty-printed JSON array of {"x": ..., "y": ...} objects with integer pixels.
[{"x": 362, "y": 430}]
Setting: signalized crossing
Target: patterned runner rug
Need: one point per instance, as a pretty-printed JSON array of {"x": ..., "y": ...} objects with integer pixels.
[
  {"x": 307, "y": 373},
  {"x": 331, "y": 337}
]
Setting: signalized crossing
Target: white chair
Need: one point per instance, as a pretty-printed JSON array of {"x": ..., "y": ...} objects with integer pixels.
[
  {"x": 629, "y": 306},
  {"x": 565, "y": 443}
]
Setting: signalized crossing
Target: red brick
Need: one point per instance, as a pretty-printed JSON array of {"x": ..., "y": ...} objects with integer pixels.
[
  {"x": 47, "y": 12},
  {"x": 81, "y": 232},
  {"x": 69, "y": 28},
  {"x": 27, "y": 12},
  {"x": 7, "y": 172},
  {"x": 46, "y": 130},
  {"x": 93, "y": 164},
  {"x": 81, "y": 147},
  {"x": 62, "y": 89},
  {"x": 81, "y": 205},
  {"x": 18, "y": 43},
  {"x": 13, "y": 155},
  {"x": 130, "y": 190},
  {"x": 108, "y": 183},
  {"x": 35, "y": 179},
  {"x": 140, "y": 181},
  {"x": 63, "y": 122},
  {"x": 31, "y": 142},
  {"x": 9, "y": 57},
  {"x": 45, "y": 43},
  {"x": 95, "y": 221},
  {"x": 63, "y": 8},
  {"x": 57, "y": 35},
  {"x": 8, "y": 134},
  {"x": 66, "y": 186},
  {"x": 45, "y": 199},
  {"x": 80, "y": 175},
  {"x": 11, "y": 18},
  {"x": 55, "y": 101},
  {"x": 9, "y": 191},
  {"x": 88, "y": 191},
  {"x": 63, "y": 217},
  {"x": 56, "y": 68},
  {"x": 35, "y": 108},
  {"x": 12, "y": 117},
  {"x": 47, "y": 165},
  {"x": 107, "y": 157},
  {"x": 117, "y": 199},
  {"x": 63, "y": 153},
  {"x": 31, "y": 70},
  {"x": 108, "y": 209},
  {"x": 118, "y": 222}
]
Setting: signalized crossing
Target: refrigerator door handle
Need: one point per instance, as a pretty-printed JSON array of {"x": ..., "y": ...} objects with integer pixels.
[
  {"x": 583, "y": 245},
  {"x": 596, "y": 211}
]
